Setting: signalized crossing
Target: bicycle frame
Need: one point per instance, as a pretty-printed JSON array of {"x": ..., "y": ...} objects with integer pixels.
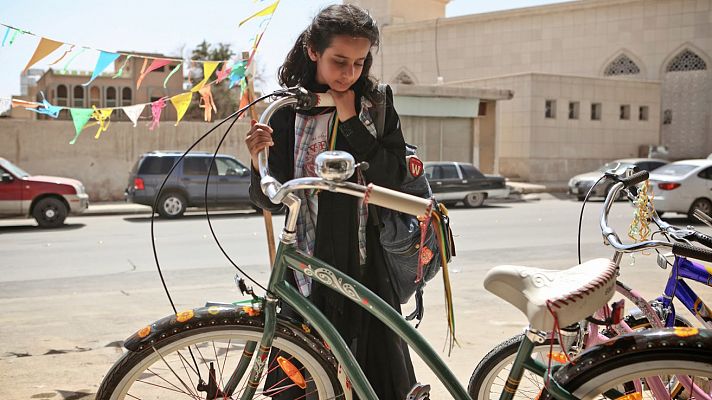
[
  {"x": 676, "y": 287},
  {"x": 290, "y": 259}
]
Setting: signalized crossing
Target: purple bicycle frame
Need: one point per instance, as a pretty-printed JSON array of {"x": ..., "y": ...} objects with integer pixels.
[{"x": 676, "y": 287}]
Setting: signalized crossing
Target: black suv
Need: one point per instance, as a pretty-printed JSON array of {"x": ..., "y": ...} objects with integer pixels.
[{"x": 229, "y": 182}]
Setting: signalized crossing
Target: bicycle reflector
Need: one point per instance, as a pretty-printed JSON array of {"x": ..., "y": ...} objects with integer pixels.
[
  {"x": 668, "y": 185},
  {"x": 292, "y": 372}
]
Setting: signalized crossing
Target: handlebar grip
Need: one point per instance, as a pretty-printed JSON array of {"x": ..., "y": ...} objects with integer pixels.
[
  {"x": 702, "y": 239},
  {"x": 635, "y": 179},
  {"x": 324, "y": 100},
  {"x": 398, "y": 201},
  {"x": 686, "y": 250}
]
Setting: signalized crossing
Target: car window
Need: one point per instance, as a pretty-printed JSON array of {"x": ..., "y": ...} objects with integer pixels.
[
  {"x": 156, "y": 165},
  {"x": 655, "y": 164},
  {"x": 617, "y": 165},
  {"x": 706, "y": 173},
  {"x": 197, "y": 166},
  {"x": 469, "y": 171},
  {"x": 228, "y": 166},
  {"x": 674, "y": 169},
  {"x": 446, "y": 171},
  {"x": 14, "y": 169},
  {"x": 429, "y": 171}
]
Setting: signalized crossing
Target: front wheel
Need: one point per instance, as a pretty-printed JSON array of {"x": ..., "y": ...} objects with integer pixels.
[
  {"x": 50, "y": 212},
  {"x": 221, "y": 357}
]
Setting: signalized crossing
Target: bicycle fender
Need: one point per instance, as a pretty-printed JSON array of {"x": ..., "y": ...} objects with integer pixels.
[
  {"x": 215, "y": 315},
  {"x": 636, "y": 343}
]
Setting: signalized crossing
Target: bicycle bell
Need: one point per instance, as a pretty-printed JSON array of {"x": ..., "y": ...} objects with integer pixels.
[{"x": 335, "y": 166}]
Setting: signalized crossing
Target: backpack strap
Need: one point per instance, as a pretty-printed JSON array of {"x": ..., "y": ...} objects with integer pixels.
[{"x": 380, "y": 110}]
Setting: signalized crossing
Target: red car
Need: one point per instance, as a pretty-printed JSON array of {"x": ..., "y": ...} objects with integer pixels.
[{"x": 49, "y": 199}]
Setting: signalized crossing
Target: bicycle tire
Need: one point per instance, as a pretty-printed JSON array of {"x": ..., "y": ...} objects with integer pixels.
[
  {"x": 487, "y": 381},
  {"x": 490, "y": 375},
  {"x": 625, "y": 360},
  {"x": 150, "y": 366}
]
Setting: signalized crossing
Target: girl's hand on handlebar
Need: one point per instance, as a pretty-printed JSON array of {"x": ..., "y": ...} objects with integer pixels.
[{"x": 258, "y": 138}]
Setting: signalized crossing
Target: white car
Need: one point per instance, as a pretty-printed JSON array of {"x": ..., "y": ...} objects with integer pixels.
[{"x": 683, "y": 186}]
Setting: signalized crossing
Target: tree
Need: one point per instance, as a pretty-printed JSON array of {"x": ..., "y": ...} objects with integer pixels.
[{"x": 226, "y": 100}]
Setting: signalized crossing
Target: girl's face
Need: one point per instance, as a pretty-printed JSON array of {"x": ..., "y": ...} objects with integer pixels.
[{"x": 341, "y": 64}]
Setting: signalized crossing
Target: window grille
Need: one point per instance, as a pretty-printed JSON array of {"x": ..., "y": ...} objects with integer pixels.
[
  {"x": 686, "y": 61},
  {"x": 622, "y": 65}
]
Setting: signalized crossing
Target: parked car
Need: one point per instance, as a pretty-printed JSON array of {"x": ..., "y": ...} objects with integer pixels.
[
  {"x": 579, "y": 185},
  {"x": 229, "y": 182},
  {"x": 455, "y": 181},
  {"x": 48, "y": 199},
  {"x": 683, "y": 186}
]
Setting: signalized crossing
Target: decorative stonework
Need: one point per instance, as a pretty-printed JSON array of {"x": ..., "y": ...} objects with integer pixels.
[
  {"x": 622, "y": 65},
  {"x": 686, "y": 61}
]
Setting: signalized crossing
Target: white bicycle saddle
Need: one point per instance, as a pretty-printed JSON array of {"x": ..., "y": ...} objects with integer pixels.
[{"x": 572, "y": 294}]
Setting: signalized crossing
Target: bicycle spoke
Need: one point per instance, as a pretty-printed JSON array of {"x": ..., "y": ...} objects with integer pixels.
[{"x": 194, "y": 395}]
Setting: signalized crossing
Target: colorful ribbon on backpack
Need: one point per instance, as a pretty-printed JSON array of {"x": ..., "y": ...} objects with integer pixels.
[{"x": 440, "y": 233}]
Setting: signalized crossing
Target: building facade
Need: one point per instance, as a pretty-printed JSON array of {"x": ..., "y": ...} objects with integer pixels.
[{"x": 593, "y": 80}]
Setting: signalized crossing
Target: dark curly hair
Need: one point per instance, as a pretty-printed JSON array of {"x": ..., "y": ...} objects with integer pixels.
[{"x": 338, "y": 19}]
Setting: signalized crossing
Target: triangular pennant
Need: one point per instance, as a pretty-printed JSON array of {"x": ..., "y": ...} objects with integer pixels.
[
  {"x": 181, "y": 103},
  {"x": 46, "y": 108},
  {"x": 44, "y": 48},
  {"x": 156, "y": 109},
  {"x": 101, "y": 116},
  {"x": 208, "y": 68},
  {"x": 262, "y": 13},
  {"x": 133, "y": 112},
  {"x": 155, "y": 64},
  {"x": 177, "y": 67},
  {"x": 105, "y": 59},
  {"x": 244, "y": 101},
  {"x": 207, "y": 102},
  {"x": 80, "y": 116}
]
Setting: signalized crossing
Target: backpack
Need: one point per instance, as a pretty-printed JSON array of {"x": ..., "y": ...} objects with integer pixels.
[{"x": 401, "y": 235}]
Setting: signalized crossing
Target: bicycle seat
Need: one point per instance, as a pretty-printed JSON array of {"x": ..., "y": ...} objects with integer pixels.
[{"x": 572, "y": 294}]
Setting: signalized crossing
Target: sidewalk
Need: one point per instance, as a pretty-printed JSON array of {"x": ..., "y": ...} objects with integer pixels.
[{"x": 520, "y": 191}]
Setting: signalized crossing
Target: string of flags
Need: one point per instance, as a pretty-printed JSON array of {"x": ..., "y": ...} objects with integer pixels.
[{"x": 234, "y": 71}]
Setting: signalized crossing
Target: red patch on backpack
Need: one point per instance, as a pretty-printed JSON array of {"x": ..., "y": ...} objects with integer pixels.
[
  {"x": 426, "y": 255},
  {"x": 415, "y": 166}
]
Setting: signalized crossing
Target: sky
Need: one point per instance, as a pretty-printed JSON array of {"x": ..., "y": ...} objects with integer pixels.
[{"x": 170, "y": 27}]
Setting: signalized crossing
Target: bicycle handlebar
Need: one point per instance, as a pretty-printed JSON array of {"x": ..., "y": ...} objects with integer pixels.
[
  {"x": 686, "y": 250},
  {"x": 280, "y": 193}
]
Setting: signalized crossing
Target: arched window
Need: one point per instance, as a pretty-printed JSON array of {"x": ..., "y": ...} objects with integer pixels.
[
  {"x": 78, "y": 97},
  {"x": 111, "y": 97},
  {"x": 62, "y": 96},
  {"x": 687, "y": 60},
  {"x": 95, "y": 96},
  {"x": 622, "y": 65},
  {"x": 126, "y": 96}
]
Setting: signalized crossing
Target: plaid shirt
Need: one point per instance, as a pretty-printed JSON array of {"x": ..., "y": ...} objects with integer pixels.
[{"x": 309, "y": 134}]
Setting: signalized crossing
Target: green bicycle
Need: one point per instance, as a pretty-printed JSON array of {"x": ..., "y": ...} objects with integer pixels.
[{"x": 226, "y": 351}]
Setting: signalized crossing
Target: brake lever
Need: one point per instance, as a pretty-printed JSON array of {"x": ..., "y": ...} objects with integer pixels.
[{"x": 704, "y": 218}]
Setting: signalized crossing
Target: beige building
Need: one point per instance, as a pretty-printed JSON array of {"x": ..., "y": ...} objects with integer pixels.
[
  {"x": 65, "y": 89},
  {"x": 593, "y": 80}
]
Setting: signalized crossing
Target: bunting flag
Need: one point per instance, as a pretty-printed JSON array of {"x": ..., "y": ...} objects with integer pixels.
[
  {"x": 207, "y": 103},
  {"x": 46, "y": 108},
  {"x": 102, "y": 119},
  {"x": 121, "y": 69},
  {"x": 72, "y": 58},
  {"x": 44, "y": 48},
  {"x": 23, "y": 103},
  {"x": 181, "y": 103},
  {"x": 156, "y": 108},
  {"x": 105, "y": 59},
  {"x": 69, "y": 50},
  {"x": 208, "y": 69},
  {"x": 80, "y": 117},
  {"x": 269, "y": 10},
  {"x": 133, "y": 112},
  {"x": 244, "y": 101},
  {"x": 165, "y": 82},
  {"x": 155, "y": 64},
  {"x": 238, "y": 72},
  {"x": 7, "y": 32},
  {"x": 223, "y": 73}
]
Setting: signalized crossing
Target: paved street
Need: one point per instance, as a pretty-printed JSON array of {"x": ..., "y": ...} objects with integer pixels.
[{"x": 70, "y": 296}]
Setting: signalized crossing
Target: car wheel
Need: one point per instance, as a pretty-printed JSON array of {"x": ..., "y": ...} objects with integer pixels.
[
  {"x": 475, "y": 199},
  {"x": 703, "y": 205},
  {"x": 172, "y": 205},
  {"x": 50, "y": 212}
]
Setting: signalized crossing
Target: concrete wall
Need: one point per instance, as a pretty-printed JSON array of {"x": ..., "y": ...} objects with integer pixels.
[
  {"x": 533, "y": 147},
  {"x": 103, "y": 165}
]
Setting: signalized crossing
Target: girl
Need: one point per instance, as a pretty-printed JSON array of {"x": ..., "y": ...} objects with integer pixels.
[{"x": 334, "y": 55}]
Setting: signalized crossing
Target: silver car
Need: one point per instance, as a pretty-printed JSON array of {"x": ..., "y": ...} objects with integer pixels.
[
  {"x": 579, "y": 185},
  {"x": 683, "y": 186}
]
